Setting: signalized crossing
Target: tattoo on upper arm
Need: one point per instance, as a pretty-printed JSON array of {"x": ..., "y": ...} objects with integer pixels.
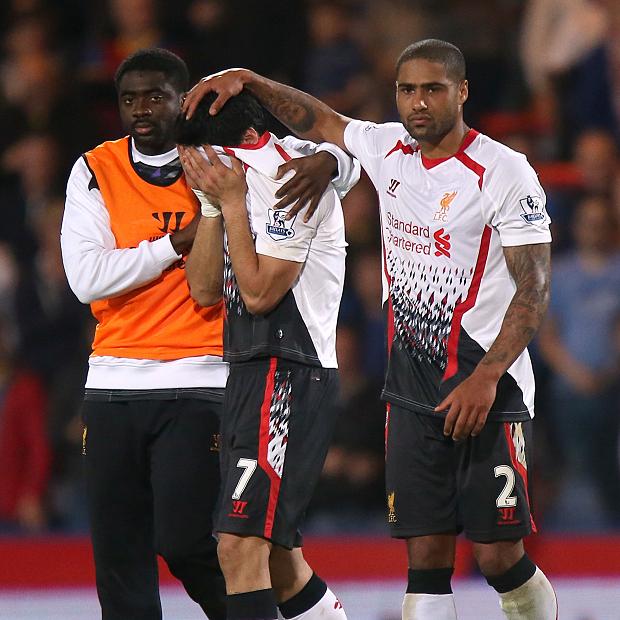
[{"x": 530, "y": 268}]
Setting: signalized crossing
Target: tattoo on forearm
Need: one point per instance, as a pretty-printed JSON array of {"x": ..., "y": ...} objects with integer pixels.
[
  {"x": 292, "y": 107},
  {"x": 530, "y": 267}
]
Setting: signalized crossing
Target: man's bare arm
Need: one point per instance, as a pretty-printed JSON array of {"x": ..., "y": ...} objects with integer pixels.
[
  {"x": 204, "y": 268},
  {"x": 469, "y": 403},
  {"x": 303, "y": 114},
  {"x": 530, "y": 268}
]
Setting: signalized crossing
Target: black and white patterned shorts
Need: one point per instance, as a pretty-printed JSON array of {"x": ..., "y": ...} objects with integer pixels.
[{"x": 277, "y": 421}]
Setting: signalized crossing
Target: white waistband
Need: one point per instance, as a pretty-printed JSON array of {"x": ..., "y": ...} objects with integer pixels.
[{"x": 120, "y": 373}]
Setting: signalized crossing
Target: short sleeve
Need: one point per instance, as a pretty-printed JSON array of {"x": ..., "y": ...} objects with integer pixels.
[
  {"x": 276, "y": 236},
  {"x": 518, "y": 202},
  {"x": 370, "y": 143}
]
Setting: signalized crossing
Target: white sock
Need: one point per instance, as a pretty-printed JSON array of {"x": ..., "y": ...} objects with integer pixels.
[
  {"x": 429, "y": 607},
  {"x": 534, "y": 600},
  {"x": 328, "y": 608}
]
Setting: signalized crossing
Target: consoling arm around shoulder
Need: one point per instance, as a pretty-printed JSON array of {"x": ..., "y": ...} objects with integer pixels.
[{"x": 204, "y": 268}]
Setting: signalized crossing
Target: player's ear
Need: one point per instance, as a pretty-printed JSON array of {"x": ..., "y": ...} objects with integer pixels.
[
  {"x": 250, "y": 136},
  {"x": 463, "y": 91}
]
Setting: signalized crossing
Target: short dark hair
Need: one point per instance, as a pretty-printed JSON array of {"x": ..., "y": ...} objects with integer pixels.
[
  {"x": 436, "y": 50},
  {"x": 156, "y": 59},
  {"x": 227, "y": 127}
]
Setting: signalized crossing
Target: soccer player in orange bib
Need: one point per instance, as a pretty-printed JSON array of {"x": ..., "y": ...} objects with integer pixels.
[{"x": 156, "y": 375}]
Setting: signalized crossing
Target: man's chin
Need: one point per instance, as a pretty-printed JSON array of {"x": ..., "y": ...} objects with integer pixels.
[{"x": 149, "y": 144}]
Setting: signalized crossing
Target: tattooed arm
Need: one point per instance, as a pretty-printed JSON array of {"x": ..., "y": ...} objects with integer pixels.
[
  {"x": 469, "y": 403},
  {"x": 306, "y": 116}
]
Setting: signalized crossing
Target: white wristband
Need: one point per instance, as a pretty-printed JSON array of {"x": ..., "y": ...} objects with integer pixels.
[{"x": 206, "y": 208}]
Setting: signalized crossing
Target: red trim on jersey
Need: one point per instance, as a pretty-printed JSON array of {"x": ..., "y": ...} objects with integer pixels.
[
  {"x": 479, "y": 169},
  {"x": 252, "y": 147},
  {"x": 519, "y": 468},
  {"x": 263, "y": 446},
  {"x": 388, "y": 407},
  {"x": 390, "y": 317},
  {"x": 407, "y": 149},
  {"x": 283, "y": 153},
  {"x": 431, "y": 162},
  {"x": 461, "y": 308},
  {"x": 228, "y": 150}
]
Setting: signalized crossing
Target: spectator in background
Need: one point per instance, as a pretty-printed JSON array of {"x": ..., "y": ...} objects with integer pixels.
[
  {"x": 208, "y": 40},
  {"x": 55, "y": 327},
  {"x": 335, "y": 69},
  {"x": 365, "y": 274},
  {"x": 595, "y": 155},
  {"x": 34, "y": 173},
  {"x": 562, "y": 51},
  {"x": 595, "y": 164},
  {"x": 577, "y": 341},
  {"x": 8, "y": 281},
  {"x": 24, "y": 449},
  {"x": 351, "y": 488},
  {"x": 129, "y": 25},
  {"x": 36, "y": 92}
]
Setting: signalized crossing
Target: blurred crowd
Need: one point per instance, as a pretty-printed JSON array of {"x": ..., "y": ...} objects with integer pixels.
[{"x": 544, "y": 78}]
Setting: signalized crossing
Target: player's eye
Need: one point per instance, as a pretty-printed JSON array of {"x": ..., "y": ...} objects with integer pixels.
[
  {"x": 156, "y": 98},
  {"x": 127, "y": 100}
]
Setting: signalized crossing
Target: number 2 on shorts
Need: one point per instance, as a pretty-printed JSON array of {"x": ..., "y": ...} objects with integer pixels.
[
  {"x": 249, "y": 465},
  {"x": 504, "y": 499}
]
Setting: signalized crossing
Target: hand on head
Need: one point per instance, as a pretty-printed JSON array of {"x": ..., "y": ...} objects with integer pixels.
[{"x": 226, "y": 84}]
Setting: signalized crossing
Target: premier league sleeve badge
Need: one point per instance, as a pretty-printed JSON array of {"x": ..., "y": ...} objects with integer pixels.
[
  {"x": 278, "y": 227},
  {"x": 533, "y": 209}
]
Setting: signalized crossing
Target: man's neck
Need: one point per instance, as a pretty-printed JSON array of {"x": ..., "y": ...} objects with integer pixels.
[
  {"x": 446, "y": 146},
  {"x": 160, "y": 159}
]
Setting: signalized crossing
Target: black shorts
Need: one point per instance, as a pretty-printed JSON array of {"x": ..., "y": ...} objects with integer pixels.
[
  {"x": 277, "y": 422},
  {"x": 436, "y": 485}
]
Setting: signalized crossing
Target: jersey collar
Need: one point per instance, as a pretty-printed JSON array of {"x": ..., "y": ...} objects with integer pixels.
[{"x": 431, "y": 162}]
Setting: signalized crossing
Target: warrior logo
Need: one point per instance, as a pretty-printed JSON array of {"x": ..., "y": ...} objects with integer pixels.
[
  {"x": 279, "y": 227},
  {"x": 392, "y": 188}
]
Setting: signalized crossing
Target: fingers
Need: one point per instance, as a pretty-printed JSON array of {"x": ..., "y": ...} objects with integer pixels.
[
  {"x": 462, "y": 425},
  {"x": 453, "y": 410},
  {"x": 282, "y": 170},
  {"x": 193, "y": 98},
  {"x": 479, "y": 423},
  {"x": 307, "y": 199},
  {"x": 291, "y": 191},
  {"x": 237, "y": 166},
  {"x": 197, "y": 93},
  {"x": 189, "y": 166},
  {"x": 212, "y": 156},
  {"x": 314, "y": 203},
  {"x": 219, "y": 102}
]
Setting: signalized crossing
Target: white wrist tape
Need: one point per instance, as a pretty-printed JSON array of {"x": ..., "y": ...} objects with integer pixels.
[{"x": 206, "y": 208}]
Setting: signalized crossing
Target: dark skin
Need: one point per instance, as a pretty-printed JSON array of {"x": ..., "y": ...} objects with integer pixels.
[
  {"x": 430, "y": 104},
  {"x": 149, "y": 104}
]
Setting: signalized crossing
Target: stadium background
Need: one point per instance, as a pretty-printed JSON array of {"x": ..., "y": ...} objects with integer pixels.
[{"x": 544, "y": 78}]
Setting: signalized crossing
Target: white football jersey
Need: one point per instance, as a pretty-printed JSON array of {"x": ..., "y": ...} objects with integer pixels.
[
  {"x": 444, "y": 223},
  {"x": 303, "y": 325}
]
